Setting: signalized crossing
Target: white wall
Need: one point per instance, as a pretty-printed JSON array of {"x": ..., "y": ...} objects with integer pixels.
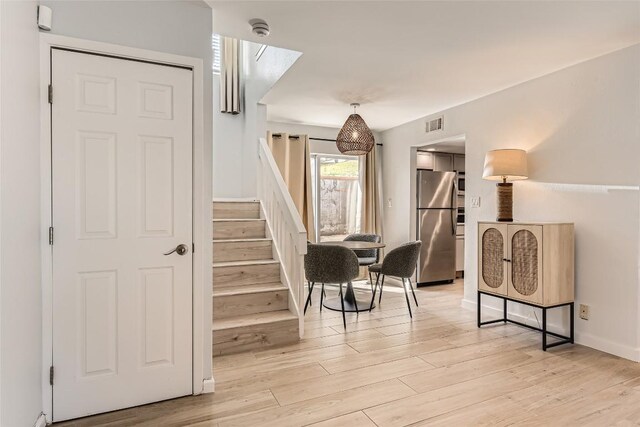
[
  {"x": 179, "y": 27},
  {"x": 235, "y": 138},
  {"x": 581, "y": 127},
  {"x": 20, "y": 296}
]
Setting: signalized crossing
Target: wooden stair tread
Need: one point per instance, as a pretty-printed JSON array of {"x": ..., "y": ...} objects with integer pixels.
[
  {"x": 223, "y": 200},
  {"x": 253, "y": 319},
  {"x": 243, "y": 263},
  {"x": 250, "y": 239},
  {"x": 248, "y": 289},
  {"x": 238, "y": 220}
]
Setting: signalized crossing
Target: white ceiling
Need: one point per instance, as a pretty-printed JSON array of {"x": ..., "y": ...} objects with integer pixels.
[
  {"x": 454, "y": 145},
  {"x": 404, "y": 60}
]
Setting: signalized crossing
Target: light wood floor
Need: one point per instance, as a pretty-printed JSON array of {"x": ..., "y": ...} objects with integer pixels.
[{"x": 387, "y": 370}]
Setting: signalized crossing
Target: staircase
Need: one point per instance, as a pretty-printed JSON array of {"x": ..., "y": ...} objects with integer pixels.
[{"x": 250, "y": 302}]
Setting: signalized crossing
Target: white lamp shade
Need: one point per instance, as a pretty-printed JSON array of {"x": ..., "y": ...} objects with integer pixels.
[{"x": 508, "y": 164}]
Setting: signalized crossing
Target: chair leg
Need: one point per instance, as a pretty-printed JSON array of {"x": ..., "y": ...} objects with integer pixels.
[
  {"x": 344, "y": 317},
  {"x": 371, "y": 281},
  {"x": 375, "y": 288},
  {"x": 308, "y": 303},
  {"x": 381, "y": 286},
  {"x": 406, "y": 295},
  {"x": 321, "y": 296},
  {"x": 413, "y": 292}
]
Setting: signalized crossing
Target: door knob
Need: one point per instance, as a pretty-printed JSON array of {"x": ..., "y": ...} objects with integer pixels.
[{"x": 181, "y": 249}]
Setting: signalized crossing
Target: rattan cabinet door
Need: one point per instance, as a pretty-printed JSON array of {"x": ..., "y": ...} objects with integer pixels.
[
  {"x": 492, "y": 252},
  {"x": 525, "y": 266}
]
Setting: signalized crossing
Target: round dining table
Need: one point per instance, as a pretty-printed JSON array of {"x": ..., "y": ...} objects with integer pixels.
[{"x": 351, "y": 304}]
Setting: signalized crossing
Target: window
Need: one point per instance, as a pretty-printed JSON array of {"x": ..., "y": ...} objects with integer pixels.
[
  {"x": 216, "y": 44},
  {"x": 337, "y": 197}
]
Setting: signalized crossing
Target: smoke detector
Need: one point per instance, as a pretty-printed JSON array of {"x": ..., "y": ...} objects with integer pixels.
[{"x": 259, "y": 27}]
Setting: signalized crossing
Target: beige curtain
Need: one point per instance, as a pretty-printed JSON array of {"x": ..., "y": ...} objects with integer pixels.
[
  {"x": 230, "y": 76},
  {"x": 371, "y": 184},
  {"x": 293, "y": 157}
]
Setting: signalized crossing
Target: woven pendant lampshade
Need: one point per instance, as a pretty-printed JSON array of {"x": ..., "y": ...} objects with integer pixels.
[{"x": 355, "y": 137}]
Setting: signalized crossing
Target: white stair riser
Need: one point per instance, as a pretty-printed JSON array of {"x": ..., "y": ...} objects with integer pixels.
[
  {"x": 243, "y": 304},
  {"x": 242, "y": 251},
  {"x": 239, "y": 230}
]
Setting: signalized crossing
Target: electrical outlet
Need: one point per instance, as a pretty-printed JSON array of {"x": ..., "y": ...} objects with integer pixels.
[
  {"x": 475, "y": 202},
  {"x": 584, "y": 311},
  {"x": 389, "y": 203}
]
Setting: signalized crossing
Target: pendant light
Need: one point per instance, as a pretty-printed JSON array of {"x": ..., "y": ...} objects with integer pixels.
[{"x": 355, "y": 137}]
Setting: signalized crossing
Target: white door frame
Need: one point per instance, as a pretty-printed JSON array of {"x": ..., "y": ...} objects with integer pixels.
[{"x": 202, "y": 380}]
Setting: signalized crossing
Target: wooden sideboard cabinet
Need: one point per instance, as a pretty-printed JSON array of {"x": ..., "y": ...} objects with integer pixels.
[{"x": 530, "y": 263}]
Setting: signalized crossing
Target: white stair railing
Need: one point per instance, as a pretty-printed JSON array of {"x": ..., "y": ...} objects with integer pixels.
[{"x": 287, "y": 231}]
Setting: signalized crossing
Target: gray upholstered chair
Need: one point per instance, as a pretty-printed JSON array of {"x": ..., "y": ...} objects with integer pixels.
[
  {"x": 401, "y": 263},
  {"x": 366, "y": 257},
  {"x": 329, "y": 264}
]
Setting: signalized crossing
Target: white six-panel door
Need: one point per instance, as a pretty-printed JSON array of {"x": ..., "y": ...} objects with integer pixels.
[{"x": 122, "y": 197}]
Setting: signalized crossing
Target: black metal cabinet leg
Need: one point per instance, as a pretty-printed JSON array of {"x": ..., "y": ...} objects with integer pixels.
[
  {"x": 560, "y": 338},
  {"x": 571, "y": 321},
  {"x": 544, "y": 329},
  {"x": 478, "y": 311}
]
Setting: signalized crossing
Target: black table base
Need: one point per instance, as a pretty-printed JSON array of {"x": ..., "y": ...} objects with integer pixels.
[{"x": 351, "y": 304}]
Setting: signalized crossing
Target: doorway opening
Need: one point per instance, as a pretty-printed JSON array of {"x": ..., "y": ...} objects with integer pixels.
[{"x": 440, "y": 210}]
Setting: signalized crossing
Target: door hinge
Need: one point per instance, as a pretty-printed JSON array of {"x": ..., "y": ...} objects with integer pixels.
[
  {"x": 50, "y": 94},
  {"x": 51, "y": 235},
  {"x": 51, "y": 375},
  {"x": 193, "y": 247}
]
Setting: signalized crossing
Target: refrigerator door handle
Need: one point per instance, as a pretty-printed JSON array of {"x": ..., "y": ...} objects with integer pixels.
[{"x": 454, "y": 209}]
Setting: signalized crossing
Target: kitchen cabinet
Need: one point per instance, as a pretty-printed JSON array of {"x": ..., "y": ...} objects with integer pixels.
[
  {"x": 458, "y": 162},
  {"x": 460, "y": 247},
  {"x": 460, "y": 253},
  {"x": 442, "y": 162},
  {"x": 424, "y": 161}
]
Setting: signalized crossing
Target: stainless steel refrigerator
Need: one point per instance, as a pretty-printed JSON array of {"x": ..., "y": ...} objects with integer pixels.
[{"x": 436, "y": 226}]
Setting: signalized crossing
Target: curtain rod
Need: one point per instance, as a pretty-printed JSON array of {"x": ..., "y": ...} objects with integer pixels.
[
  {"x": 333, "y": 140},
  {"x": 311, "y": 137}
]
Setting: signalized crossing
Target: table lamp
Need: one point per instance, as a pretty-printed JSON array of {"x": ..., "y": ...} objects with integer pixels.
[{"x": 503, "y": 165}]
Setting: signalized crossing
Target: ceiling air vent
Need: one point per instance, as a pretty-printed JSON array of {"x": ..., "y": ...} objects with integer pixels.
[{"x": 435, "y": 124}]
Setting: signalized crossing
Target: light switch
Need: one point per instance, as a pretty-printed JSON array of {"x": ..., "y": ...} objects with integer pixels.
[{"x": 475, "y": 202}]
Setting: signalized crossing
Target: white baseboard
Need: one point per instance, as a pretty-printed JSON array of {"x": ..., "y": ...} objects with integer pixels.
[
  {"x": 208, "y": 386},
  {"x": 582, "y": 338},
  {"x": 41, "y": 421},
  {"x": 620, "y": 350}
]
